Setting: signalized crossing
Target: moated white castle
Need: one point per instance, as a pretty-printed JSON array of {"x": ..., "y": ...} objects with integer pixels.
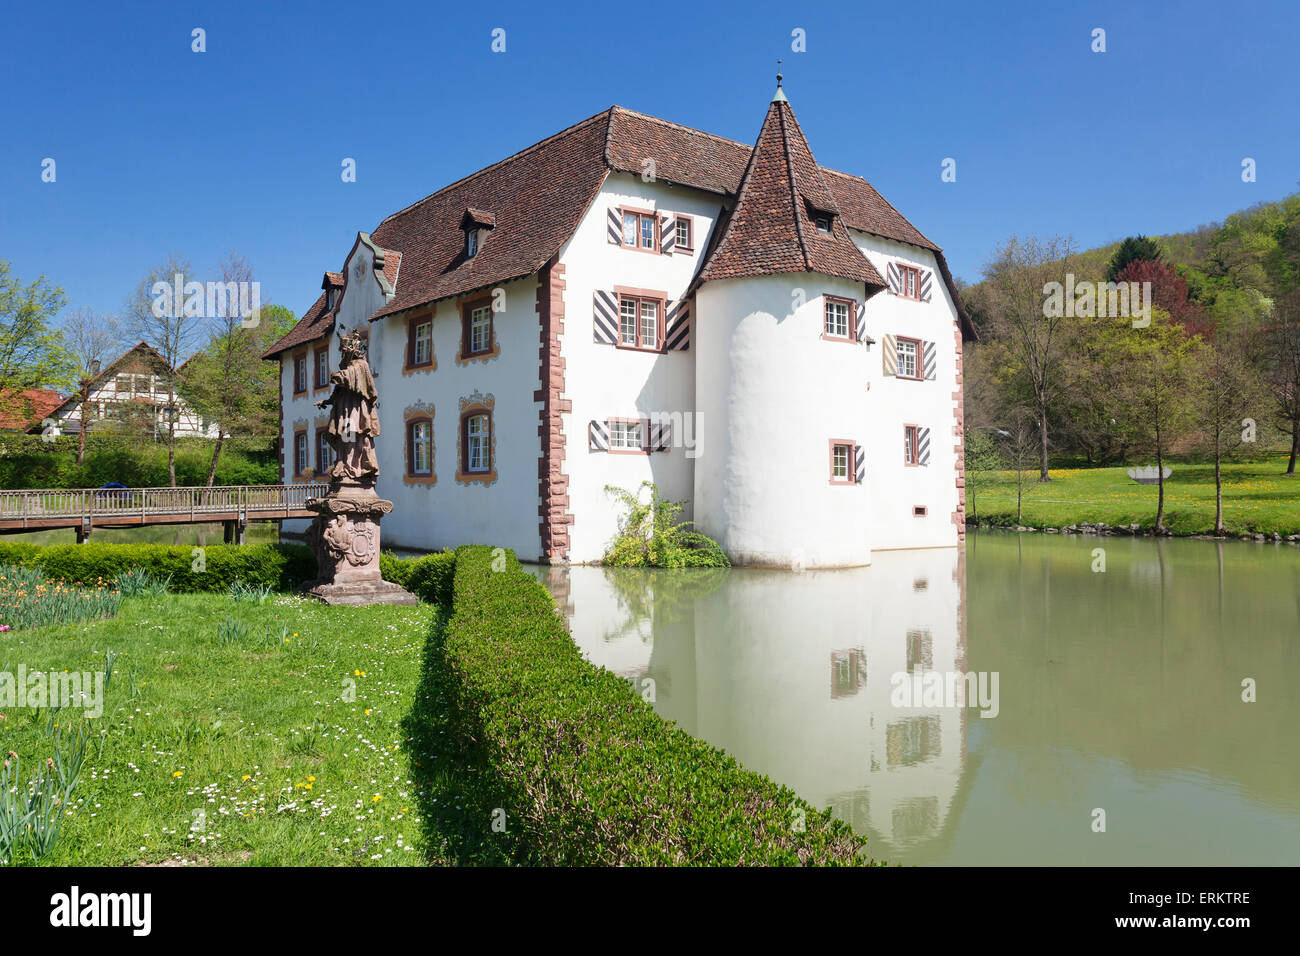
[{"x": 767, "y": 340}]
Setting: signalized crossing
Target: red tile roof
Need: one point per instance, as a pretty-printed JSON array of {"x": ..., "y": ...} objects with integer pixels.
[
  {"x": 771, "y": 226},
  {"x": 537, "y": 197},
  {"x": 26, "y": 409}
]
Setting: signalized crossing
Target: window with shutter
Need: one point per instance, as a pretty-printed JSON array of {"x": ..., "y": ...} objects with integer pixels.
[{"x": 843, "y": 461}]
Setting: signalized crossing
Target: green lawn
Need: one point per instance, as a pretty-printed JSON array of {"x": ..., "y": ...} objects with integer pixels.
[
  {"x": 227, "y": 748},
  {"x": 1257, "y": 497}
]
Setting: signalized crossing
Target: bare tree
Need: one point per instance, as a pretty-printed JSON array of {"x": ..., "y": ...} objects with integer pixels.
[
  {"x": 158, "y": 316},
  {"x": 228, "y": 381},
  {"x": 91, "y": 340},
  {"x": 1015, "y": 288}
]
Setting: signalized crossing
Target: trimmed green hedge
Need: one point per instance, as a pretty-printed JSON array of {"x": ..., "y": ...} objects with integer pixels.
[
  {"x": 429, "y": 577},
  {"x": 520, "y": 730},
  {"x": 283, "y": 566}
]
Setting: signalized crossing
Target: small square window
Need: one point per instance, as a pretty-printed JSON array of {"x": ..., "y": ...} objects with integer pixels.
[
  {"x": 823, "y": 223},
  {"x": 837, "y": 319},
  {"x": 625, "y": 436}
]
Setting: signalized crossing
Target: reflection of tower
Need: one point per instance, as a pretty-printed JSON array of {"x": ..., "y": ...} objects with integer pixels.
[{"x": 791, "y": 674}]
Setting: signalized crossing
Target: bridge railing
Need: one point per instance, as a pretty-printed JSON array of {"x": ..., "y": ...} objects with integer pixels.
[{"x": 260, "y": 500}]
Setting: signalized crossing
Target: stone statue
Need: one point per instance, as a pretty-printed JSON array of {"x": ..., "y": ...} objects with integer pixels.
[
  {"x": 345, "y": 532},
  {"x": 354, "y": 418}
]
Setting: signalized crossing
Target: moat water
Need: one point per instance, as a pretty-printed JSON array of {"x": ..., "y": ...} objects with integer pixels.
[{"x": 1123, "y": 696}]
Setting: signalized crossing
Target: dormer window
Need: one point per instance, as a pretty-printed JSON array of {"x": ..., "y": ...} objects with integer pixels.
[
  {"x": 476, "y": 223},
  {"x": 329, "y": 299},
  {"x": 823, "y": 223}
]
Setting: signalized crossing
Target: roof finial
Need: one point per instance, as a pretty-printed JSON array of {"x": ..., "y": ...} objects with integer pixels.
[{"x": 780, "y": 94}]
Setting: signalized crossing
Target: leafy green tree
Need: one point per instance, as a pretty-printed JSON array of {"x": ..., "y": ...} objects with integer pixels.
[
  {"x": 982, "y": 459},
  {"x": 1158, "y": 387},
  {"x": 276, "y": 321},
  {"x": 1133, "y": 249},
  {"x": 33, "y": 354}
]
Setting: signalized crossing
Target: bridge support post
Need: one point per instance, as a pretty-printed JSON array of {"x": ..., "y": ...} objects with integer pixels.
[{"x": 83, "y": 531}]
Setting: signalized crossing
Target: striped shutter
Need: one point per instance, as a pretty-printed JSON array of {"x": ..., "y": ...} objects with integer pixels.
[
  {"x": 889, "y": 354},
  {"x": 598, "y": 436},
  {"x": 860, "y": 329},
  {"x": 615, "y": 230},
  {"x": 661, "y": 435},
  {"x": 677, "y": 332},
  {"x": 929, "y": 361},
  {"x": 859, "y": 464},
  {"x": 927, "y": 280},
  {"x": 667, "y": 233},
  {"x": 894, "y": 277},
  {"x": 923, "y": 447},
  {"x": 605, "y": 318}
]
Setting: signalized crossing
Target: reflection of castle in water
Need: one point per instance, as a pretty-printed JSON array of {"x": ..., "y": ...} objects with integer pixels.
[{"x": 793, "y": 679}]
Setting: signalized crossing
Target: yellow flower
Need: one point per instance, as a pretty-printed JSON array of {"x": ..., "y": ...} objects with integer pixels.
[
  {"x": 377, "y": 798},
  {"x": 179, "y": 773},
  {"x": 247, "y": 775},
  {"x": 311, "y": 779}
]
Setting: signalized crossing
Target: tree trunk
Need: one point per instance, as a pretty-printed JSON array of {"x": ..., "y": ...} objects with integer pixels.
[
  {"x": 1295, "y": 447},
  {"x": 81, "y": 437},
  {"x": 1160, "y": 478},
  {"x": 171, "y": 436},
  {"x": 216, "y": 453},
  {"x": 1042, "y": 440},
  {"x": 1218, "y": 487}
]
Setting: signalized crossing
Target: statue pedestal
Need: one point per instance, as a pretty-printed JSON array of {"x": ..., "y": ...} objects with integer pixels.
[{"x": 345, "y": 537}]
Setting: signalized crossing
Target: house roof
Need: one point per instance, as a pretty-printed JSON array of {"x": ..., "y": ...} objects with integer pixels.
[
  {"x": 20, "y": 411},
  {"x": 537, "y": 197},
  {"x": 771, "y": 227},
  {"x": 141, "y": 350}
]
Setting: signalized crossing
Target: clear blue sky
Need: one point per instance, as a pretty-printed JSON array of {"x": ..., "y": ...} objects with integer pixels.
[{"x": 161, "y": 150}]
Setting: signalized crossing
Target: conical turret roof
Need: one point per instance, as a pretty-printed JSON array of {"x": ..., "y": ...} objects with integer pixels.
[{"x": 772, "y": 228}]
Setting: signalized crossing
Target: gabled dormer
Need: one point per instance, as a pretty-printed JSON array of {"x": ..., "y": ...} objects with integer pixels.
[
  {"x": 477, "y": 224},
  {"x": 332, "y": 284}
]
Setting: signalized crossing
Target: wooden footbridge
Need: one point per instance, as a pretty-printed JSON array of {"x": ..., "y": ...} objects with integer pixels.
[{"x": 85, "y": 509}]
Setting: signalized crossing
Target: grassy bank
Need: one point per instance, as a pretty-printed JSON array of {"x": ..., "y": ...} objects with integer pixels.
[
  {"x": 236, "y": 732},
  {"x": 528, "y": 754},
  {"x": 1257, "y": 498},
  {"x": 247, "y": 728}
]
